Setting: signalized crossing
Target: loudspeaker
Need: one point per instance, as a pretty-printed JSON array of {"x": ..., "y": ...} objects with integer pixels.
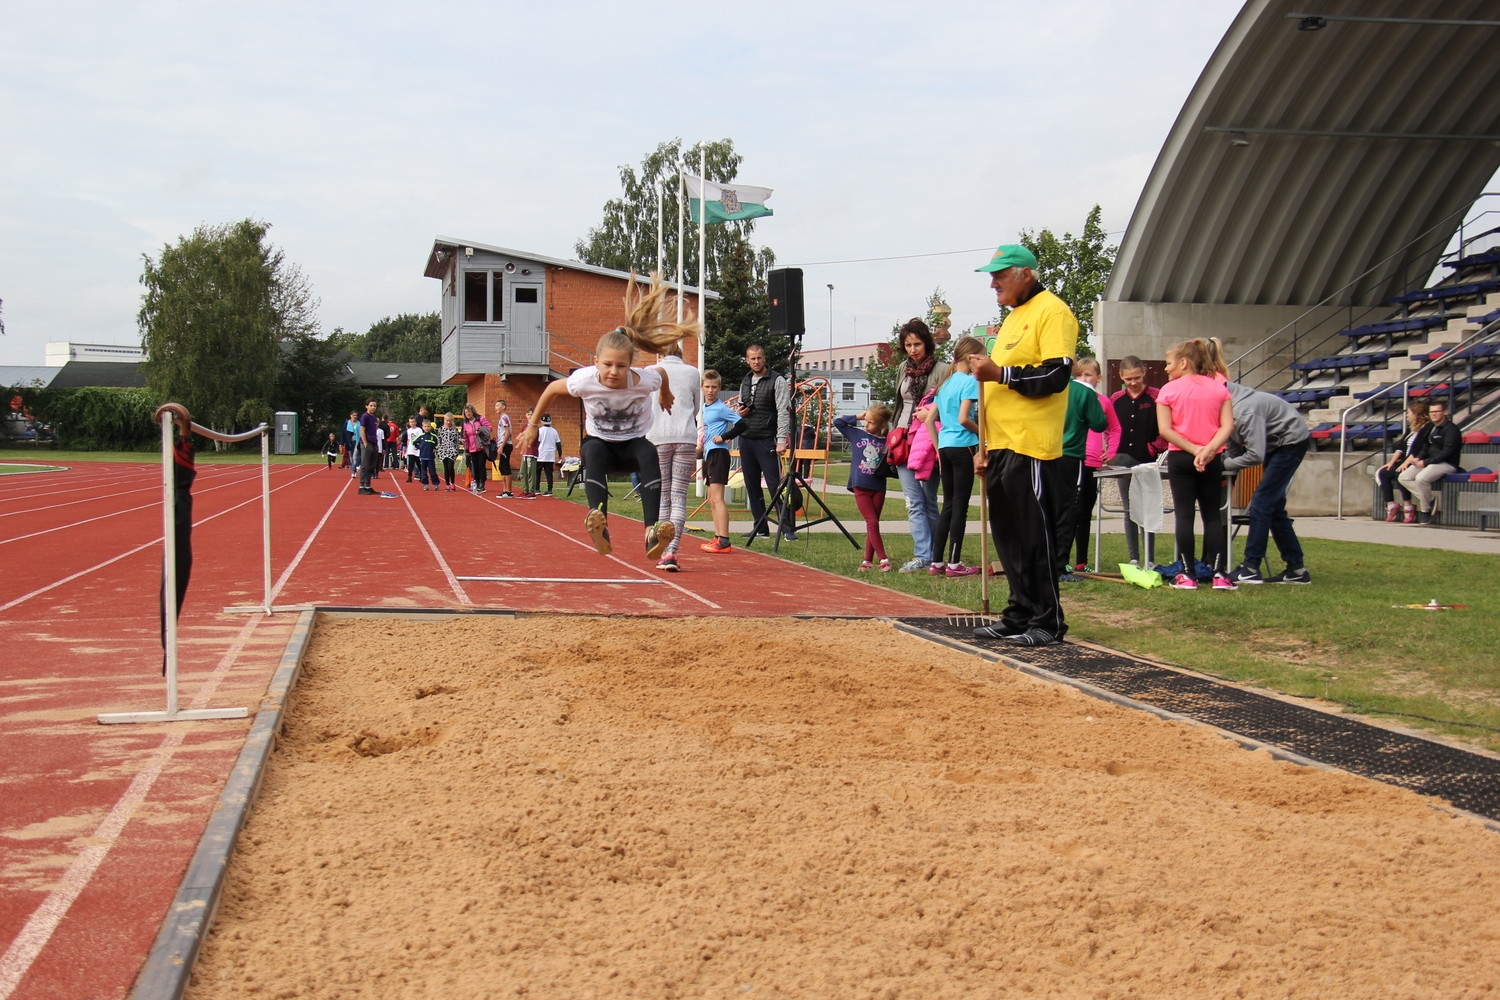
[{"x": 784, "y": 287}]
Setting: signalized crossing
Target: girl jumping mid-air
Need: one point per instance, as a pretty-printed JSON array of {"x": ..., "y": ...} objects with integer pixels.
[{"x": 618, "y": 413}]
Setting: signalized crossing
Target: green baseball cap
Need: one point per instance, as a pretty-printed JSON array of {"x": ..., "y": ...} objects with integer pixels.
[{"x": 1010, "y": 255}]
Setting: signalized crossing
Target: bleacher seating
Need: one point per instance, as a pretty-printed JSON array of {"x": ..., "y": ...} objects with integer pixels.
[
  {"x": 1340, "y": 363},
  {"x": 1443, "y": 293},
  {"x": 1421, "y": 333},
  {"x": 1389, "y": 328}
]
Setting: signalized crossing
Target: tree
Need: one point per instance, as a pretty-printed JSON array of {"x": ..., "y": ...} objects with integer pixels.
[
  {"x": 405, "y": 339},
  {"x": 215, "y": 309},
  {"x": 1075, "y": 269},
  {"x": 884, "y": 371},
  {"x": 626, "y": 240},
  {"x": 312, "y": 383},
  {"x": 740, "y": 318}
]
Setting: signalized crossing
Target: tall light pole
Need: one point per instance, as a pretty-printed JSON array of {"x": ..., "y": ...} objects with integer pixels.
[{"x": 830, "y": 326}]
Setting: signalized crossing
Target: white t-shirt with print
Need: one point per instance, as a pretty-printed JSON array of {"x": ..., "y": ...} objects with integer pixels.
[{"x": 616, "y": 414}]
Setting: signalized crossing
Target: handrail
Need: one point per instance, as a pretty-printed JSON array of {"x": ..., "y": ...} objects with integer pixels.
[
  {"x": 1325, "y": 301},
  {"x": 209, "y": 432},
  {"x": 1484, "y": 333}
]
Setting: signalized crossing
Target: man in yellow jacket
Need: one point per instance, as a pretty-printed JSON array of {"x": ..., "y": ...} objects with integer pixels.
[{"x": 1024, "y": 386}]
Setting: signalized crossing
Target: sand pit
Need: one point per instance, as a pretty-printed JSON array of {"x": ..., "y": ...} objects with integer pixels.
[{"x": 557, "y": 807}]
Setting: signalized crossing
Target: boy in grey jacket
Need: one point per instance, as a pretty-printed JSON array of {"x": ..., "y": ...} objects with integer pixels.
[{"x": 1271, "y": 432}]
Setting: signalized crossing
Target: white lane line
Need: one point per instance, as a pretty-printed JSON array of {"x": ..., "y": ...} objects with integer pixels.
[
  {"x": 96, "y": 488},
  {"x": 104, "y": 517},
  {"x": 458, "y": 588},
  {"x": 555, "y": 579},
  {"x": 144, "y": 545},
  {"x": 38, "y": 930},
  {"x": 589, "y": 545},
  {"x": 297, "y": 559}
]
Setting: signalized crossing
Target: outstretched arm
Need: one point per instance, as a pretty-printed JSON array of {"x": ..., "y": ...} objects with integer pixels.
[{"x": 549, "y": 394}]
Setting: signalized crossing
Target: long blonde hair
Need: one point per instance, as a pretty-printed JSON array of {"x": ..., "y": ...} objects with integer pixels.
[{"x": 650, "y": 320}]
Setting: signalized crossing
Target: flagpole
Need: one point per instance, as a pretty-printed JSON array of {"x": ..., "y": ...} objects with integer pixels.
[
  {"x": 681, "y": 207},
  {"x": 660, "y": 251},
  {"x": 702, "y": 286},
  {"x": 702, "y": 262}
]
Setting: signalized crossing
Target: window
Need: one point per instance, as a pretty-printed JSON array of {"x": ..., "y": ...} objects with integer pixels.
[
  {"x": 526, "y": 295},
  {"x": 476, "y": 296},
  {"x": 849, "y": 391},
  {"x": 483, "y": 296}
]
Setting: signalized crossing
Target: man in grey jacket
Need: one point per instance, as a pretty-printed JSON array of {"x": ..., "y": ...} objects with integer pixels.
[{"x": 1271, "y": 432}]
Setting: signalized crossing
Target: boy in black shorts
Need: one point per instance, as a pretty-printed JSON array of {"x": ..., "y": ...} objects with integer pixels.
[{"x": 720, "y": 424}]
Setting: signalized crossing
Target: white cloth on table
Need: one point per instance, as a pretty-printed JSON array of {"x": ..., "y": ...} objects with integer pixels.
[{"x": 1145, "y": 496}]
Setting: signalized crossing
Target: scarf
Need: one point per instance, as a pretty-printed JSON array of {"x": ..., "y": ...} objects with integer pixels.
[{"x": 916, "y": 379}]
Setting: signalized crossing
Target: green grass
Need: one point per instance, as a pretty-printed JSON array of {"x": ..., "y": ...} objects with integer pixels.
[{"x": 1339, "y": 639}]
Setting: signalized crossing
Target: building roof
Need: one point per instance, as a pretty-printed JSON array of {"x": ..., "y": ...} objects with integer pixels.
[
  {"x": 442, "y": 246},
  {"x": 18, "y": 376},
  {"x": 105, "y": 374},
  {"x": 1304, "y": 158},
  {"x": 388, "y": 375}
]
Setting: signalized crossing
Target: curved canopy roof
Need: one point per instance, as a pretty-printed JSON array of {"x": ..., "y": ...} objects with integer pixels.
[{"x": 1322, "y": 138}]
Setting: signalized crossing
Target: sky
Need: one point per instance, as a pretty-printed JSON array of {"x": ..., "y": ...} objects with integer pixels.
[{"x": 924, "y": 134}]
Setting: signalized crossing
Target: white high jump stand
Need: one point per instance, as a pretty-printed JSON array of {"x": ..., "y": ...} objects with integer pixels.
[{"x": 169, "y": 565}]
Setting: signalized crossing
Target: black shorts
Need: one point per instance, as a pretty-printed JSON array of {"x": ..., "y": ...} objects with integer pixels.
[
  {"x": 716, "y": 467},
  {"x": 502, "y": 460}
]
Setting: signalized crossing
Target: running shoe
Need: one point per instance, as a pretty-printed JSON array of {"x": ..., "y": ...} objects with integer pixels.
[
  {"x": 959, "y": 569},
  {"x": 1183, "y": 582},
  {"x": 1392, "y": 511},
  {"x": 597, "y": 525},
  {"x": 885, "y": 565},
  {"x": 936, "y": 569},
  {"x": 716, "y": 547},
  {"x": 999, "y": 630},
  {"x": 865, "y": 566},
  {"x": 658, "y": 537},
  {"x": 1222, "y": 582},
  {"x": 913, "y": 566},
  {"x": 1034, "y": 637},
  {"x": 668, "y": 563},
  {"x": 1298, "y": 575},
  {"x": 1246, "y": 574}
]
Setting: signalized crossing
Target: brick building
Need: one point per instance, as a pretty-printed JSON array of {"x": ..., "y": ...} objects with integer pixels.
[{"x": 513, "y": 321}]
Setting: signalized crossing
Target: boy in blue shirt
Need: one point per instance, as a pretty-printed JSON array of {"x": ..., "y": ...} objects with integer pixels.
[{"x": 720, "y": 424}]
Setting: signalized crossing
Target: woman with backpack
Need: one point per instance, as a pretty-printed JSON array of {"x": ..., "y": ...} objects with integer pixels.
[{"x": 479, "y": 436}]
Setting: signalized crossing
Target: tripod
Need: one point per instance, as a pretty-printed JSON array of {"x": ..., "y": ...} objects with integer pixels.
[{"x": 784, "y": 499}]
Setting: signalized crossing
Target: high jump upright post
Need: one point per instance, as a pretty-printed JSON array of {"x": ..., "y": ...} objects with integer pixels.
[{"x": 169, "y": 567}]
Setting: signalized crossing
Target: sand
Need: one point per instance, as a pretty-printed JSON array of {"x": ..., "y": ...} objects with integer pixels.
[{"x": 574, "y": 807}]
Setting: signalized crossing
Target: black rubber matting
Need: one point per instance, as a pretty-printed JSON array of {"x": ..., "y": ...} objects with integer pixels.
[{"x": 1470, "y": 781}]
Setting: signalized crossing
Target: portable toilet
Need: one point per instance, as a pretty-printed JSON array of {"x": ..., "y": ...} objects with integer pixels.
[{"x": 286, "y": 433}]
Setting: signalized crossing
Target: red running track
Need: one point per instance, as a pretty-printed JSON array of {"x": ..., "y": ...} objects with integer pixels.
[{"x": 97, "y": 823}]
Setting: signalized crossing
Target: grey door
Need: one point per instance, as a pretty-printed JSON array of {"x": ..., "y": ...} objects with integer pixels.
[{"x": 526, "y": 337}]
